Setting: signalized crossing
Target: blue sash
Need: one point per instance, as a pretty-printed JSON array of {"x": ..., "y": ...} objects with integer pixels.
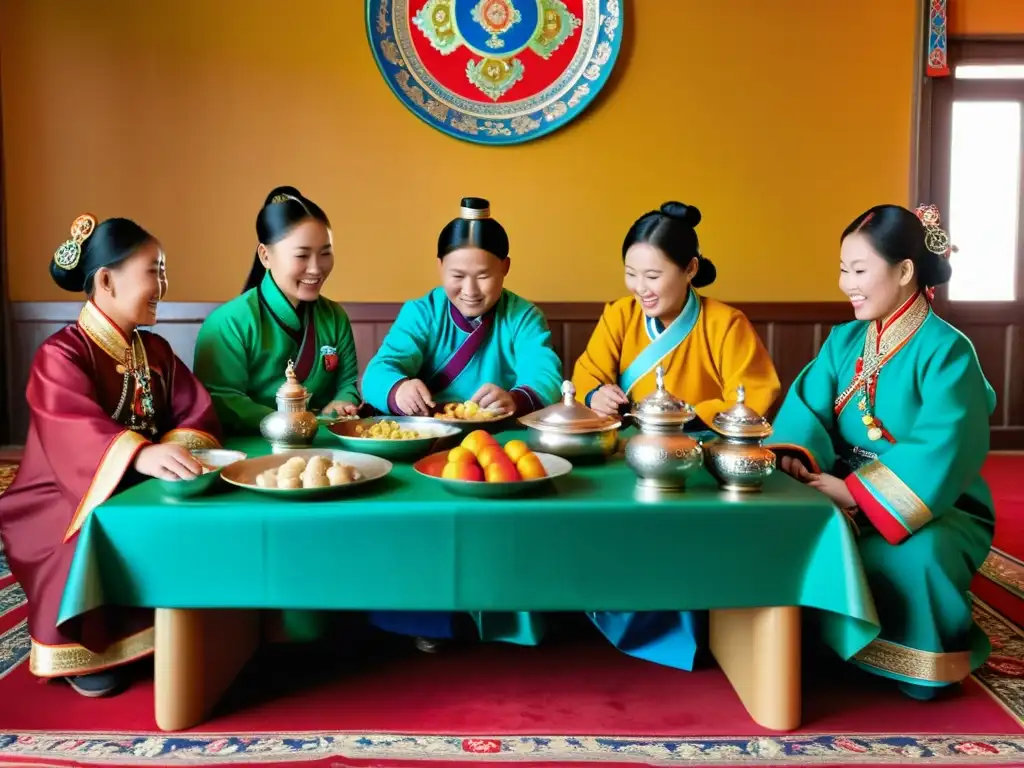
[{"x": 662, "y": 344}]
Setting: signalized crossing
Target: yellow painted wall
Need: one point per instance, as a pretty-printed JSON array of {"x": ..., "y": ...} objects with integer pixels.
[
  {"x": 781, "y": 120},
  {"x": 986, "y": 17}
]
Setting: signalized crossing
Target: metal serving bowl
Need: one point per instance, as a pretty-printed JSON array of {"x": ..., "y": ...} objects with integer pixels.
[
  {"x": 571, "y": 430},
  {"x": 433, "y": 431},
  {"x": 215, "y": 459}
]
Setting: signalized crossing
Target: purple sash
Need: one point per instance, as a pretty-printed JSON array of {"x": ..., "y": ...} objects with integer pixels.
[
  {"x": 443, "y": 378},
  {"x": 307, "y": 349}
]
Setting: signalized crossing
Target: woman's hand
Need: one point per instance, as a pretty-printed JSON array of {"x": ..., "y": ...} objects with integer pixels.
[
  {"x": 834, "y": 488},
  {"x": 492, "y": 397},
  {"x": 795, "y": 468},
  {"x": 608, "y": 400},
  {"x": 339, "y": 408},
  {"x": 168, "y": 461},
  {"x": 414, "y": 399}
]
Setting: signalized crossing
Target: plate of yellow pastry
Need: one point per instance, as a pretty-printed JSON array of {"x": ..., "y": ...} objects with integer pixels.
[
  {"x": 470, "y": 413},
  {"x": 308, "y": 472},
  {"x": 399, "y": 438}
]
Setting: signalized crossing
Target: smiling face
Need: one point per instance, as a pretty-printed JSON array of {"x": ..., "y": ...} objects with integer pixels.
[
  {"x": 301, "y": 261},
  {"x": 129, "y": 292},
  {"x": 875, "y": 287},
  {"x": 473, "y": 279},
  {"x": 658, "y": 283}
]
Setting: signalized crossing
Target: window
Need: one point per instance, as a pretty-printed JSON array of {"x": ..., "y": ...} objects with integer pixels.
[
  {"x": 975, "y": 173},
  {"x": 984, "y": 184}
]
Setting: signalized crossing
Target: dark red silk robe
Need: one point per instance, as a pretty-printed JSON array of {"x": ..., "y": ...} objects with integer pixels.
[{"x": 89, "y": 418}]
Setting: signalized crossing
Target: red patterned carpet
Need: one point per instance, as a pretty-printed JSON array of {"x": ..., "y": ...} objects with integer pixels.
[{"x": 571, "y": 700}]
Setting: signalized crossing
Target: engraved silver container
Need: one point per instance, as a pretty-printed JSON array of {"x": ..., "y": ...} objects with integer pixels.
[
  {"x": 738, "y": 460},
  {"x": 292, "y": 425},
  {"x": 571, "y": 430},
  {"x": 662, "y": 455}
]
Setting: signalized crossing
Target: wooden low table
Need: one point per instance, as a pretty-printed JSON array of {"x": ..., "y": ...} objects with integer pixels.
[{"x": 200, "y": 652}]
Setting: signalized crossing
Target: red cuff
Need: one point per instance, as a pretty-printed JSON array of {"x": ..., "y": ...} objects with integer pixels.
[{"x": 892, "y": 529}]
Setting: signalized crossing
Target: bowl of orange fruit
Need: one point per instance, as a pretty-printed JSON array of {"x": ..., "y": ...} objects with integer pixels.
[{"x": 481, "y": 466}]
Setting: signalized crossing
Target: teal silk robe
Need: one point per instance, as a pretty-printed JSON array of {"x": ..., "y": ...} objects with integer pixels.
[
  {"x": 244, "y": 347},
  {"x": 925, "y": 514},
  {"x": 454, "y": 356},
  {"x": 509, "y": 347}
]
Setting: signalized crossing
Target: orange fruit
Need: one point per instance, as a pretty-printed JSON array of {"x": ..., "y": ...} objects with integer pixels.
[
  {"x": 530, "y": 467},
  {"x": 516, "y": 449},
  {"x": 460, "y": 455}
]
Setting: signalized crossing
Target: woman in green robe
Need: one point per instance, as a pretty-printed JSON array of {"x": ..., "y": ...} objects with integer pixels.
[
  {"x": 244, "y": 345},
  {"x": 891, "y": 422}
]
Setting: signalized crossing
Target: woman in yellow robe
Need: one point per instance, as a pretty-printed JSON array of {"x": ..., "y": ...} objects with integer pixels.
[{"x": 706, "y": 348}]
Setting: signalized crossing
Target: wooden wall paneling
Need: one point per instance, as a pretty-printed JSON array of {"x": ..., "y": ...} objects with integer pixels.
[
  {"x": 793, "y": 334},
  {"x": 990, "y": 344},
  {"x": 1014, "y": 411}
]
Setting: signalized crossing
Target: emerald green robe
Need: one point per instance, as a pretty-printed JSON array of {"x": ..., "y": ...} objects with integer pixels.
[
  {"x": 241, "y": 354},
  {"x": 925, "y": 514},
  {"x": 244, "y": 347}
]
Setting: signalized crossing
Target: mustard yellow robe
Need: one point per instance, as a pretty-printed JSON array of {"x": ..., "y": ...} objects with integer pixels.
[{"x": 721, "y": 351}]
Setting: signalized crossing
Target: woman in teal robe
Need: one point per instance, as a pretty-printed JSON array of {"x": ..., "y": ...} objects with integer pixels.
[
  {"x": 245, "y": 345},
  {"x": 469, "y": 339},
  {"x": 891, "y": 421}
]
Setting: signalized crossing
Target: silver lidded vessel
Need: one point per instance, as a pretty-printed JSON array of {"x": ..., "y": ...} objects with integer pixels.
[
  {"x": 738, "y": 459},
  {"x": 292, "y": 425},
  {"x": 571, "y": 430},
  {"x": 662, "y": 455}
]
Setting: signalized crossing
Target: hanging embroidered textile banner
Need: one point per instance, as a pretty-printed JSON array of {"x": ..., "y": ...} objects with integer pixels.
[
  {"x": 495, "y": 71},
  {"x": 938, "y": 63}
]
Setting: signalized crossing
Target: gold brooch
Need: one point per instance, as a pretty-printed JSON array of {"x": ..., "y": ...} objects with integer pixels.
[{"x": 70, "y": 252}]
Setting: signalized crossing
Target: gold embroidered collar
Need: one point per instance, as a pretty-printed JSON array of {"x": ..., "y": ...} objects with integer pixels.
[
  {"x": 104, "y": 333},
  {"x": 884, "y": 339}
]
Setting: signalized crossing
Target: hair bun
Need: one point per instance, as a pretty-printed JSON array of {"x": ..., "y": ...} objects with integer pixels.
[
  {"x": 688, "y": 214},
  {"x": 281, "y": 191},
  {"x": 69, "y": 279}
]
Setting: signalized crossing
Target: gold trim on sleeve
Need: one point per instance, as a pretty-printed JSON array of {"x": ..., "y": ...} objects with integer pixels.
[
  {"x": 115, "y": 462},
  {"x": 193, "y": 439},
  {"x": 73, "y": 659},
  {"x": 896, "y": 496},
  {"x": 914, "y": 664}
]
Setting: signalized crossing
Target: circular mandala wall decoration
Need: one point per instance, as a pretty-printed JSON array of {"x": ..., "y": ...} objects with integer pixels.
[{"x": 495, "y": 71}]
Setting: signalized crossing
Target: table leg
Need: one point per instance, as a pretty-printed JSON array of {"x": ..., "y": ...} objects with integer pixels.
[
  {"x": 759, "y": 651},
  {"x": 198, "y": 653}
]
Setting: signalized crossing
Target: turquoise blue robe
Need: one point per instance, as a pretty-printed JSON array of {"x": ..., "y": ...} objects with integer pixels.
[
  {"x": 510, "y": 347},
  {"x": 925, "y": 514}
]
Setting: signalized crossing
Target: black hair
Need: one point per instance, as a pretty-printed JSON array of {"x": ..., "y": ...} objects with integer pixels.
[
  {"x": 110, "y": 244},
  {"x": 282, "y": 210},
  {"x": 897, "y": 234},
  {"x": 474, "y": 229},
  {"x": 672, "y": 229}
]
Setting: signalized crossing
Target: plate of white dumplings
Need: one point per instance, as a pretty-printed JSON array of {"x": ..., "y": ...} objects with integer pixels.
[{"x": 306, "y": 472}]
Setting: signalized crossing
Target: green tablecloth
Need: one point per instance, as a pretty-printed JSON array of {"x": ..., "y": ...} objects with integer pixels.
[{"x": 406, "y": 543}]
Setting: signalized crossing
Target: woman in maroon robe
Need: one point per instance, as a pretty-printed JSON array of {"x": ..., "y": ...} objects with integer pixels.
[{"x": 108, "y": 405}]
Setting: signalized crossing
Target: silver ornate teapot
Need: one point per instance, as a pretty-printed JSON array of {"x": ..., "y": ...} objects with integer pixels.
[
  {"x": 292, "y": 425},
  {"x": 663, "y": 456},
  {"x": 738, "y": 460}
]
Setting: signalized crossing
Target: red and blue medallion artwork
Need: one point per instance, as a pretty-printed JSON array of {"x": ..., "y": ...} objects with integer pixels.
[{"x": 495, "y": 71}]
